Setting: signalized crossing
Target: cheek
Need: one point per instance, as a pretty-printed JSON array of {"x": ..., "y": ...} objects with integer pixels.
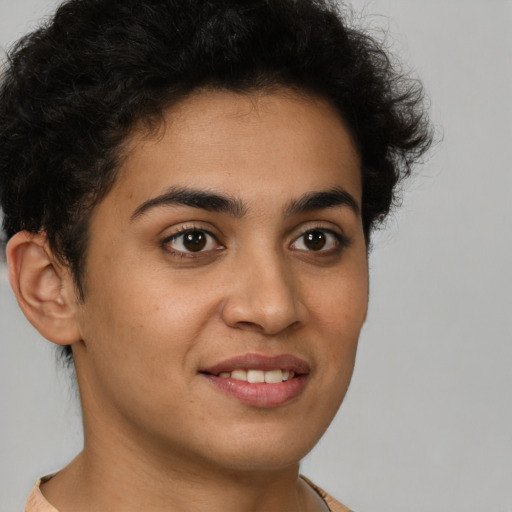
[
  {"x": 339, "y": 313},
  {"x": 148, "y": 321},
  {"x": 336, "y": 320},
  {"x": 342, "y": 302},
  {"x": 138, "y": 343}
]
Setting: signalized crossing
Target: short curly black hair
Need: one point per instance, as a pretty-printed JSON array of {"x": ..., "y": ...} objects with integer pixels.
[{"x": 73, "y": 91}]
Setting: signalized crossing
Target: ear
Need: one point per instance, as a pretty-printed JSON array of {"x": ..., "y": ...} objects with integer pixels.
[{"x": 44, "y": 288}]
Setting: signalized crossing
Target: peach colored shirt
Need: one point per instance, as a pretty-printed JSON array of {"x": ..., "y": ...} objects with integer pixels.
[{"x": 37, "y": 502}]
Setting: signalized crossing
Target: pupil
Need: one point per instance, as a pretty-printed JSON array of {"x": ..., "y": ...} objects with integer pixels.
[
  {"x": 194, "y": 241},
  {"x": 315, "y": 240}
]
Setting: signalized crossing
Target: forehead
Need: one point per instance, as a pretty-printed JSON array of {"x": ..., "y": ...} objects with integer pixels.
[{"x": 283, "y": 143}]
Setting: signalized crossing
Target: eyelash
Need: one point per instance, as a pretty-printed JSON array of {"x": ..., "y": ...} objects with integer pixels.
[
  {"x": 340, "y": 241},
  {"x": 182, "y": 233}
]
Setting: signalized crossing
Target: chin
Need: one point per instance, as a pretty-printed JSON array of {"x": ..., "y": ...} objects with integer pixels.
[
  {"x": 264, "y": 448},
  {"x": 261, "y": 460}
]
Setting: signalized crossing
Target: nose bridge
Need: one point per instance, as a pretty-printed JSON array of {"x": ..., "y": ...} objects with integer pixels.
[{"x": 264, "y": 294}]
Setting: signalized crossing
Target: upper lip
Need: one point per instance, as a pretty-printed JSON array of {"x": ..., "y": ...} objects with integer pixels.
[{"x": 253, "y": 361}]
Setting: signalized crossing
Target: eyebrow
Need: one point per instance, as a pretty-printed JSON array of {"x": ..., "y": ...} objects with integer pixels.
[
  {"x": 201, "y": 199},
  {"x": 322, "y": 200},
  {"x": 214, "y": 202}
]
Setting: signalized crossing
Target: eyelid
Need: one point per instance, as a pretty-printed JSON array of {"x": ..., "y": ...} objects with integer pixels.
[
  {"x": 183, "y": 227},
  {"x": 342, "y": 240},
  {"x": 181, "y": 231}
]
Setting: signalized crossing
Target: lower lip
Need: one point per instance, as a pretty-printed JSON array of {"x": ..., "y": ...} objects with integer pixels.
[{"x": 261, "y": 394}]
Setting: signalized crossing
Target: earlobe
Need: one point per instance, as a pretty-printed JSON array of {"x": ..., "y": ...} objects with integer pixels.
[{"x": 43, "y": 287}]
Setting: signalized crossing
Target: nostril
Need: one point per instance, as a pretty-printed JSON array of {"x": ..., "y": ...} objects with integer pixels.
[
  {"x": 270, "y": 313},
  {"x": 248, "y": 324}
]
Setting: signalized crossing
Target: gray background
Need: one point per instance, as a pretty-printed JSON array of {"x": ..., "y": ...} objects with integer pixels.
[{"x": 427, "y": 423}]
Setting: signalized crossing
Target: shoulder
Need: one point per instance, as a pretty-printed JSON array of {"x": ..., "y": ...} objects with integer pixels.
[
  {"x": 333, "y": 504},
  {"x": 36, "y": 502}
]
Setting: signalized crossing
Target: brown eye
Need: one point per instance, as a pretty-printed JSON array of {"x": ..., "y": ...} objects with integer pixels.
[
  {"x": 192, "y": 241},
  {"x": 315, "y": 240},
  {"x": 319, "y": 240}
]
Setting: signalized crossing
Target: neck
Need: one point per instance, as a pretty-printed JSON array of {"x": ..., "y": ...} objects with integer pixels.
[
  {"x": 83, "y": 486},
  {"x": 114, "y": 476}
]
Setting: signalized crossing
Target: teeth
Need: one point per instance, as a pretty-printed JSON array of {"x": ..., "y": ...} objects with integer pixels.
[
  {"x": 255, "y": 376},
  {"x": 239, "y": 375},
  {"x": 259, "y": 376},
  {"x": 274, "y": 376}
]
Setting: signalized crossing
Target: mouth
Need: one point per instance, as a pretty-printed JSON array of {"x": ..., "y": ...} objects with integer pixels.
[
  {"x": 258, "y": 380},
  {"x": 259, "y": 376}
]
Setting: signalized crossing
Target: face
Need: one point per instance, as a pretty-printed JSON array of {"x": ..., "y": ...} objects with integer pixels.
[{"x": 226, "y": 283}]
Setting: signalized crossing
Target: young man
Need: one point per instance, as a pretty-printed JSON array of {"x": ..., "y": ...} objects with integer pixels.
[{"x": 188, "y": 190}]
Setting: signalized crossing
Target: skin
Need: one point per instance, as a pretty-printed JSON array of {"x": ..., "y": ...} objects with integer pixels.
[{"x": 158, "y": 435}]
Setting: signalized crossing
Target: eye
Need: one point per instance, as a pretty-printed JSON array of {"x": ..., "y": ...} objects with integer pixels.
[
  {"x": 319, "y": 240},
  {"x": 191, "y": 241}
]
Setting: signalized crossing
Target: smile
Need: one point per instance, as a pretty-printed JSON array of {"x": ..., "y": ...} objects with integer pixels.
[
  {"x": 258, "y": 380},
  {"x": 259, "y": 376}
]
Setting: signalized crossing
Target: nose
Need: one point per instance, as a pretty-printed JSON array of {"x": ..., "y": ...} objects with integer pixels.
[{"x": 264, "y": 297}]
